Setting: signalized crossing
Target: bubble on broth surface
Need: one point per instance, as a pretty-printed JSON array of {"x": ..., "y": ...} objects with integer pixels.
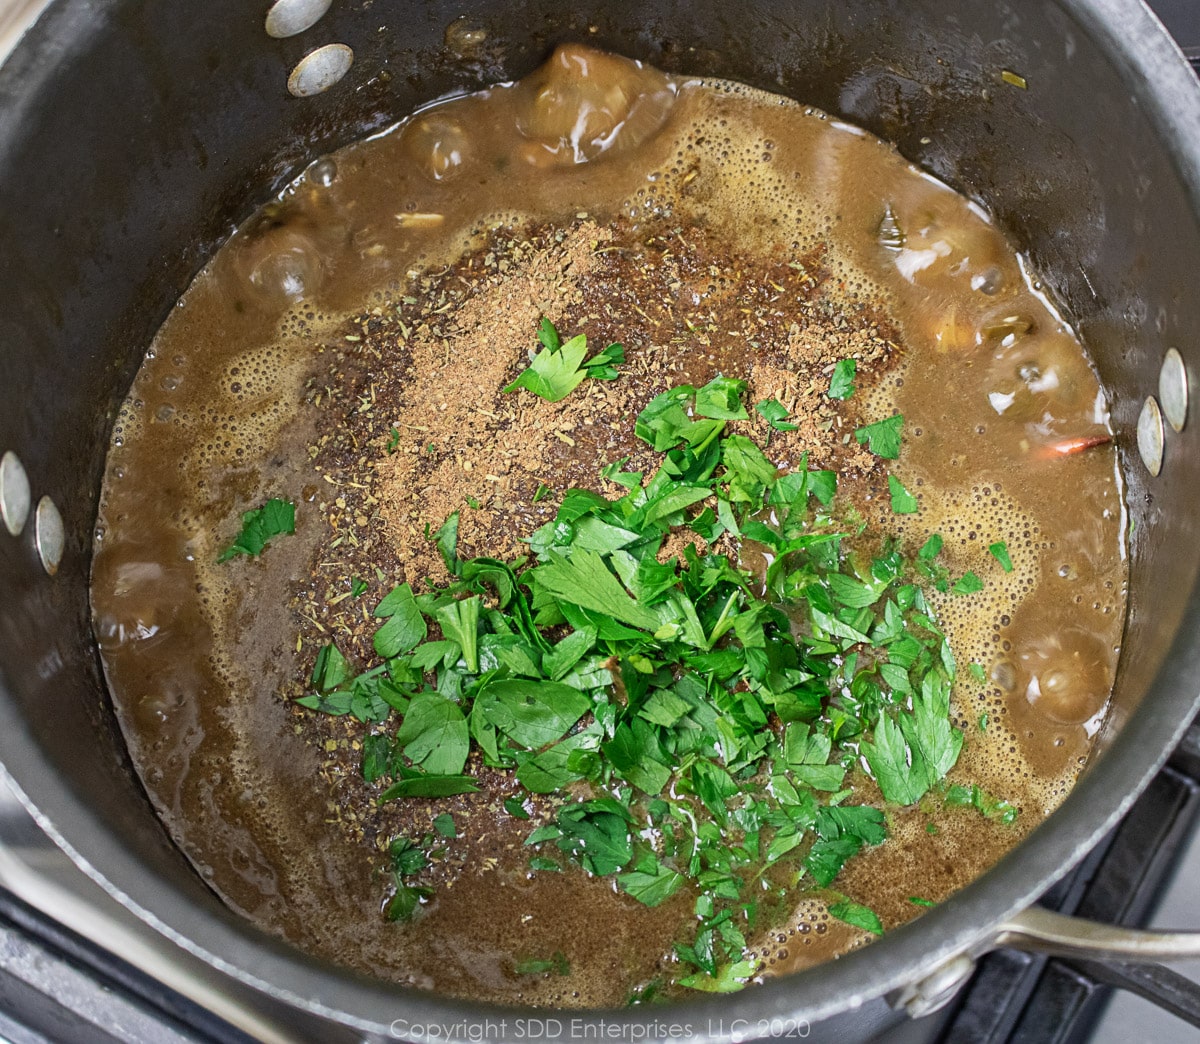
[
  {"x": 437, "y": 143},
  {"x": 583, "y": 104}
]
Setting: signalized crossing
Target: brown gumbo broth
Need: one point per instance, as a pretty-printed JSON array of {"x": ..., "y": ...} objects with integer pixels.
[{"x": 347, "y": 350}]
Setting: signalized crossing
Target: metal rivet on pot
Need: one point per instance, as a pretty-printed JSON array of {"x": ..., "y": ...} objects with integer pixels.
[
  {"x": 14, "y": 493},
  {"x": 49, "y": 535},
  {"x": 1150, "y": 436},
  {"x": 936, "y": 990},
  {"x": 289, "y": 17},
  {"x": 1173, "y": 389},
  {"x": 319, "y": 70}
]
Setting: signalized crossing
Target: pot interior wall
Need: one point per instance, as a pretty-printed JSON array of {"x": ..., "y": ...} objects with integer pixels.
[{"x": 135, "y": 135}]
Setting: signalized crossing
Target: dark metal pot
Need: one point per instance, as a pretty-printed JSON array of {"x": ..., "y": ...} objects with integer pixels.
[{"x": 135, "y": 135}]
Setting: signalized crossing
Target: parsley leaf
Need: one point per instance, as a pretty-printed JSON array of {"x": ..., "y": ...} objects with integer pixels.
[
  {"x": 651, "y": 883},
  {"x": 888, "y": 756},
  {"x": 841, "y": 384},
  {"x": 969, "y": 583},
  {"x": 533, "y": 713},
  {"x": 584, "y": 580},
  {"x": 275, "y": 518},
  {"x": 883, "y": 437},
  {"x": 559, "y": 368},
  {"x": 597, "y": 834},
  {"x": 903, "y": 502},
  {"x": 557, "y": 964},
  {"x": 434, "y": 734},
  {"x": 721, "y": 399},
  {"x": 857, "y": 915},
  {"x": 405, "y": 628},
  {"x": 999, "y": 552},
  {"x": 774, "y": 413},
  {"x": 428, "y": 785}
]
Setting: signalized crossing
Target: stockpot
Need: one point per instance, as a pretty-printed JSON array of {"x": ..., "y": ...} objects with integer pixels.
[{"x": 135, "y": 135}]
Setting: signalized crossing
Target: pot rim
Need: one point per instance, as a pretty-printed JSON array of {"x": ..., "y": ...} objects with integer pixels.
[{"x": 1165, "y": 87}]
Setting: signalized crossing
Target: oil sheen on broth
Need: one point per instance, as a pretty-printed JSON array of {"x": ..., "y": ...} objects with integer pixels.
[{"x": 1005, "y": 432}]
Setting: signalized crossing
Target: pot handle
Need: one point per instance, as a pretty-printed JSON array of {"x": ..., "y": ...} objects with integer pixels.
[
  {"x": 1129, "y": 954},
  {"x": 1037, "y": 930}
]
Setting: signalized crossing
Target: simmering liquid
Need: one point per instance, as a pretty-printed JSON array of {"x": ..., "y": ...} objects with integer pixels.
[{"x": 346, "y": 350}]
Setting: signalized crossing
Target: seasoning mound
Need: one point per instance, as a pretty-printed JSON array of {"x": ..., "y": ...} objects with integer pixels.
[{"x": 685, "y": 306}]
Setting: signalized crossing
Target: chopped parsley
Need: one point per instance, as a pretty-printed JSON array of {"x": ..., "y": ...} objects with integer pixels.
[
  {"x": 557, "y": 964},
  {"x": 883, "y": 437},
  {"x": 696, "y": 728},
  {"x": 969, "y": 583},
  {"x": 841, "y": 383},
  {"x": 987, "y": 806},
  {"x": 276, "y": 517},
  {"x": 560, "y": 367},
  {"x": 999, "y": 552},
  {"x": 773, "y": 412},
  {"x": 903, "y": 502},
  {"x": 858, "y": 915}
]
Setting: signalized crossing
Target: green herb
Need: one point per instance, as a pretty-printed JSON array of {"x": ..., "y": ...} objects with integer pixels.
[
  {"x": 406, "y": 858},
  {"x": 841, "y": 384},
  {"x": 987, "y": 806},
  {"x": 691, "y": 734},
  {"x": 330, "y": 669},
  {"x": 559, "y": 368},
  {"x": 857, "y": 915},
  {"x": 376, "y": 756},
  {"x": 977, "y": 672},
  {"x": 883, "y": 437},
  {"x": 358, "y": 587},
  {"x": 774, "y": 413},
  {"x": 275, "y": 518},
  {"x": 472, "y": 503},
  {"x": 999, "y": 552},
  {"x": 434, "y": 734},
  {"x": 393, "y": 442},
  {"x": 405, "y": 627},
  {"x": 557, "y": 964},
  {"x": 918, "y": 901},
  {"x": 903, "y": 502},
  {"x": 969, "y": 583},
  {"x": 428, "y": 785},
  {"x": 542, "y": 491}
]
